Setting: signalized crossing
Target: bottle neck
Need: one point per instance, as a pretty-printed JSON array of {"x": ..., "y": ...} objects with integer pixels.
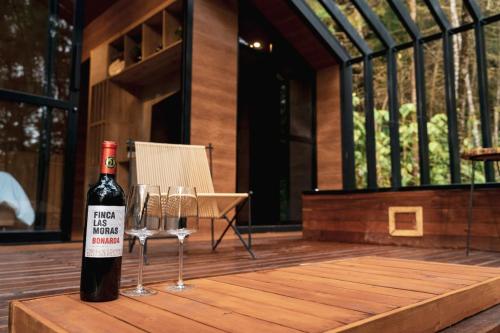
[{"x": 106, "y": 176}]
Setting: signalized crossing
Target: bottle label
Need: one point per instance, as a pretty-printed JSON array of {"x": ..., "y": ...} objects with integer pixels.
[{"x": 105, "y": 226}]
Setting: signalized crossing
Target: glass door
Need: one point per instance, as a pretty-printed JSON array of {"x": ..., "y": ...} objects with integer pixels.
[{"x": 40, "y": 47}]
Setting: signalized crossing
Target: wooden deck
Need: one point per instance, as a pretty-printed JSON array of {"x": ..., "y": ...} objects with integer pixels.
[
  {"x": 365, "y": 294},
  {"x": 37, "y": 270}
]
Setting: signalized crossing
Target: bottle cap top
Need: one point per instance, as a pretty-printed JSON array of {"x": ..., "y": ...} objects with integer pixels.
[{"x": 109, "y": 144}]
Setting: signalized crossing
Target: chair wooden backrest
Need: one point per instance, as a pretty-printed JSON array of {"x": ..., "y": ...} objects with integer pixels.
[
  {"x": 183, "y": 165},
  {"x": 173, "y": 165}
]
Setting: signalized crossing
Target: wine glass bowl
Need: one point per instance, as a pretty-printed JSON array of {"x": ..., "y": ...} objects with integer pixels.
[
  {"x": 181, "y": 211},
  {"x": 180, "y": 207},
  {"x": 144, "y": 211},
  {"x": 143, "y": 219}
]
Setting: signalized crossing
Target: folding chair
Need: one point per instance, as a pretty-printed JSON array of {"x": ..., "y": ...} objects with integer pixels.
[{"x": 187, "y": 165}]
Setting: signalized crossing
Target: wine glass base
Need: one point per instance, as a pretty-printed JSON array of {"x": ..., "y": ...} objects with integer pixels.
[
  {"x": 179, "y": 288},
  {"x": 138, "y": 292}
]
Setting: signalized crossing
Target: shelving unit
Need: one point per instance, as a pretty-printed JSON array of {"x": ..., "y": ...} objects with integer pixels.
[
  {"x": 159, "y": 34},
  {"x": 156, "y": 66},
  {"x": 147, "y": 62}
]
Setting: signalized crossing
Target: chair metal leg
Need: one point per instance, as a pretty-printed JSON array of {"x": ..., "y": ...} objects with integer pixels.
[
  {"x": 230, "y": 224},
  {"x": 131, "y": 243},
  {"x": 250, "y": 220},
  {"x": 471, "y": 205},
  {"x": 212, "y": 231},
  {"x": 242, "y": 240},
  {"x": 221, "y": 236}
]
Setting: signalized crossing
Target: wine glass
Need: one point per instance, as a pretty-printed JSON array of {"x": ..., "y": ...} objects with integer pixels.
[
  {"x": 181, "y": 220},
  {"x": 143, "y": 219}
]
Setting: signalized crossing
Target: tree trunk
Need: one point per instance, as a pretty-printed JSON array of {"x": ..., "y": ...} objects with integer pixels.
[
  {"x": 413, "y": 15},
  {"x": 457, "y": 42},
  {"x": 496, "y": 111},
  {"x": 476, "y": 136},
  {"x": 433, "y": 88}
]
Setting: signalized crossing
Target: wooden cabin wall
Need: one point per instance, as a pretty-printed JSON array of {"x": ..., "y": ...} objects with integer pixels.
[
  {"x": 214, "y": 86},
  {"x": 214, "y": 80},
  {"x": 328, "y": 132},
  {"x": 364, "y": 217}
]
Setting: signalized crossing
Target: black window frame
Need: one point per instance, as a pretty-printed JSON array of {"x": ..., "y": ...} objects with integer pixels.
[{"x": 70, "y": 106}]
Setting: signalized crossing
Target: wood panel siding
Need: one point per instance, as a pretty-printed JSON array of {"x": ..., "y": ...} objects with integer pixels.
[
  {"x": 328, "y": 131},
  {"x": 363, "y": 218},
  {"x": 296, "y": 32},
  {"x": 116, "y": 19},
  {"x": 214, "y": 83}
]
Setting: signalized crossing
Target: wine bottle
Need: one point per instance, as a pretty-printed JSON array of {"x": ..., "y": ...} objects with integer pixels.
[{"x": 103, "y": 233}]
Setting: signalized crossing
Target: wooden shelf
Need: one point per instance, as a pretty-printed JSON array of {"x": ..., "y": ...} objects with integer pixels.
[{"x": 157, "y": 65}]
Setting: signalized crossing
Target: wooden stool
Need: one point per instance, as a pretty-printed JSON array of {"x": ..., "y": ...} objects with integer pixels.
[{"x": 478, "y": 155}]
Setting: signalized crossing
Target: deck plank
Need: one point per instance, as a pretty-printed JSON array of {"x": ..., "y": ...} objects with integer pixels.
[
  {"x": 63, "y": 314},
  {"x": 212, "y": 315},
  {"x": 261, "y": 310},
  {"x": 298, "y": 303},
  {"x": 147, "y": 317},
  {"x": 382, "y": 280},
  {"x": 357, "y": 304},
  {"x": 460, "y": 279},
  {"x": 328, "y": 287},
  {"x": 353, "y": 283}
]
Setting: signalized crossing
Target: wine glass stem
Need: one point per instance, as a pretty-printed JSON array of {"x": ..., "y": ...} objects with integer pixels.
[
  {"x": 142, "y": 242},
  {"x": 180, "y": 281}
]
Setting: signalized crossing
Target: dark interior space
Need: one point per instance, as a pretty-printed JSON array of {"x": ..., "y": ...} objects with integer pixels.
[
  {"x": 275, "y": 122},
  {"x": 166, "y": 120}
]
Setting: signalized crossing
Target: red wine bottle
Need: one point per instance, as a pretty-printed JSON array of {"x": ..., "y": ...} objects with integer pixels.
[{"x": 103, "y": 233}]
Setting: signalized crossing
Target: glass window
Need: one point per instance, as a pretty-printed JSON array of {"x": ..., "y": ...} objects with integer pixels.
[
  {"x": 359, "y": 23},
  {"x": 408, "y": 126},
  {"x": 24, "y": 47},
  {"x": 467, "y": 99},
  {"x": 456, "y": 12},
  {"x": 23, "y": 27},
  {"x": 333, "y": 27},
  {"x": 422, "y": 16},
  {"x": 390, "y": 20},
  {"x": 358, "y": 100},
  {"x": 489, "y": 7},
  {"x": 21, "y": 133},
  {"x": 63, "y": 44},
  {"x": 437, "y": 120},
  {"x": 382, "y": 132},
  {"x": 492, "y": 40}
]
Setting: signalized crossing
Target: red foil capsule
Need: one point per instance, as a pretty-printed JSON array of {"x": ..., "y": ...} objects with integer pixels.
[{"x": 108, "y": 157}]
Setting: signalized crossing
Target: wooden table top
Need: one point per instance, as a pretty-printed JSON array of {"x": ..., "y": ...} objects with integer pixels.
[
  {"x": 482, "y": 154},
  {"x": 366, "y": 294}
]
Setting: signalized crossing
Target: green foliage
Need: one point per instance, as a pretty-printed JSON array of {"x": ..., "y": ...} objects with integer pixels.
[{"x": 437, "y": 128}]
